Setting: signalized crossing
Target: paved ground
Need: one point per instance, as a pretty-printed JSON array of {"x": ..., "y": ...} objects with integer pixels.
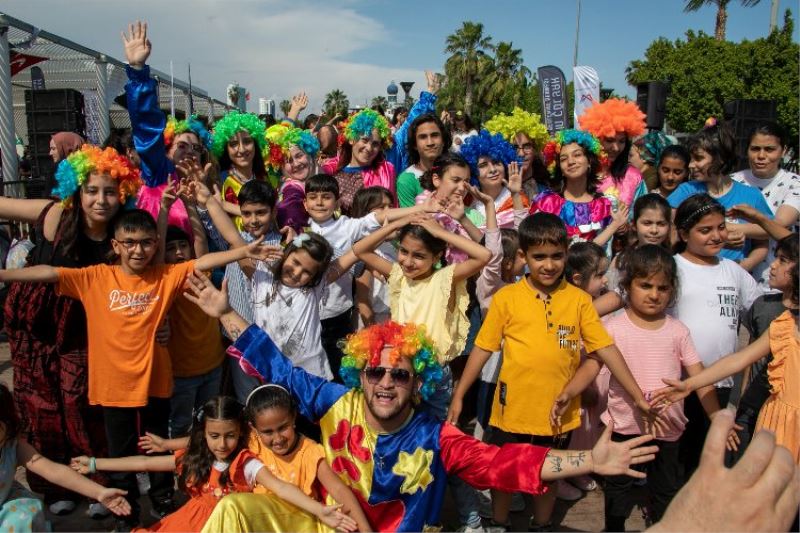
[{"x": 584, "y": 515}]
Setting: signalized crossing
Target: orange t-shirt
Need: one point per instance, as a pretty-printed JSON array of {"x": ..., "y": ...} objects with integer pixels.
[
  {"x": 126, "y": 365},
  {"x": 195, "y": 342},
  {"x": 299, "y": 468}
]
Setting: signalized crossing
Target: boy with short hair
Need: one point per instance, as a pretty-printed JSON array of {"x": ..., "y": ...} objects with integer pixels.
[
  {"x": 542, "y": 323},
  {"x": 342, "y": 232},
  {"x": 130, "y": 374}
]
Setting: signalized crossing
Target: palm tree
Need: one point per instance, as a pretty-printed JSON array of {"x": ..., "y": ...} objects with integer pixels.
[
  {"x": 380, "y": 101},
  {"x": 336, "y": 103},
  {"x": 722, "y": 12},
  {"x": 505, "y": 74},
  {"x": 467, "y": 47},
  {"x": 285, "y": 106}
]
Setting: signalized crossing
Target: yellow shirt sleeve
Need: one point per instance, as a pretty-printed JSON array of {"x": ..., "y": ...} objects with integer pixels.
[
  {"x": 491, "y": 334},
  {"x": 593, "y": 334}
]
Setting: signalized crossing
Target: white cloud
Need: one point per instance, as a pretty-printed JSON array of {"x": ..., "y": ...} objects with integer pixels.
[{"x": 274, "y": 48}]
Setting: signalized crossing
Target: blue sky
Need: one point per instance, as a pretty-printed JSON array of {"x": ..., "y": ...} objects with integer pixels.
[{"x": 278, "y": 47}]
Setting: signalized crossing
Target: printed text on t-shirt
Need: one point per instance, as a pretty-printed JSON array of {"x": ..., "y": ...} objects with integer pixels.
[{"x": 131, "y": 303}]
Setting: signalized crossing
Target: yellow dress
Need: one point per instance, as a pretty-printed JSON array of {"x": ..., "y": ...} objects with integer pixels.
[
  {"x": 230, "y": 193},
  {"x": 437, "y": 304},
  {"x": 781, "y": 412}
]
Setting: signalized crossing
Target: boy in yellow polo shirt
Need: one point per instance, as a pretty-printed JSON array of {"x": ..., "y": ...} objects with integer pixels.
[{"x": 542, "y": 323}]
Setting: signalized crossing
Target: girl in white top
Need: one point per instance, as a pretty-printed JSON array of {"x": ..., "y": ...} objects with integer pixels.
[{"x": 712, "y": 292}]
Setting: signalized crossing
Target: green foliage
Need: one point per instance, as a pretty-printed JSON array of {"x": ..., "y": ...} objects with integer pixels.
[
  {"x": 379, "y": 101},
  {"x": 336, "y": 103},
  {"x": 285, "y": 106},
  {"x": 704, "y": 73}
]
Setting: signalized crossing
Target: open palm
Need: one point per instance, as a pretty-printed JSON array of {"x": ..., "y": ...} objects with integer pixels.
[{"x": 137, "y": 46}]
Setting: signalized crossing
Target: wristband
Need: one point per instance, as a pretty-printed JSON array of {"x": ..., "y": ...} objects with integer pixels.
[{"x": 92, "y": 465}]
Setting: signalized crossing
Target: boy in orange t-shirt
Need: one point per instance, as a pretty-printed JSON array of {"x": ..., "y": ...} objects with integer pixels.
[{"x": 130, "y": 374}]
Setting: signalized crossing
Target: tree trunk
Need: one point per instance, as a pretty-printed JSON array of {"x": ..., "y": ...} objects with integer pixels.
[
  {"x": 468, "y": 96},
  {"x": 722, "y": 21}
]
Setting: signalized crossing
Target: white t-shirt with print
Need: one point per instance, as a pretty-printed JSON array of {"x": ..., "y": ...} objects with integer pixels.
[
  {"x": 781, "y": 189},
  {"x": 291, "y": 318},
  {"x": 710, "y": 298},
  {"x": 342, "y": 233}
]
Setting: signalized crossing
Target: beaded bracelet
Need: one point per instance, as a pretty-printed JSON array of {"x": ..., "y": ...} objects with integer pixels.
[{"x": 92, "y": 465}]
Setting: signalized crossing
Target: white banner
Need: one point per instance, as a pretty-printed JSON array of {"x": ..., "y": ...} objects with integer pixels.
[{"x": 587, "y": 90}]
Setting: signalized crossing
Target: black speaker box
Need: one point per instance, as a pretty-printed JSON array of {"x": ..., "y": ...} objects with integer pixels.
[{"x": 651, "y": 97}]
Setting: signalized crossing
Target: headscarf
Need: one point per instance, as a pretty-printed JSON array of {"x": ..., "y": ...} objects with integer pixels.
[{"x": 66, "y": 142}]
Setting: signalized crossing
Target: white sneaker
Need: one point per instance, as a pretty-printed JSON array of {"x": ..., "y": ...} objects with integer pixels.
[
  {"x": 97, "y": 511},
  {"x": 566, "y": 492},
  {"x": 473, "y": 529},
  {"x": 62, "y": 507},
  {"x": 585, "y": 483}
]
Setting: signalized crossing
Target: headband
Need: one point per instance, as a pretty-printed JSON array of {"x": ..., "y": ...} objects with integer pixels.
[
  {"x": 519, "y": 121},
  {"x": 73, "y": 172},
  {"x": 362, "y": 124},
  {"x": 588, "y": 141},
  {"x": 231, "y": 124},
  {"x": 613, "y": 116},
  {"x": 697, "y": 212},
  {"x": 404, "y": 340},
  {"x": 495, "y": 147},
  {"x": 264, "y": 386},
  {"x": 175, "y": 127}
]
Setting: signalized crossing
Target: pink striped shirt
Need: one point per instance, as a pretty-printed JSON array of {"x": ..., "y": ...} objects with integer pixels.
[{"x": 651, "y": 355}]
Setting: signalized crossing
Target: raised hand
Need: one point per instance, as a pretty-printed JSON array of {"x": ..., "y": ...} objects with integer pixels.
[
  {"x": 114, "y": 500},
  {"x": 616, "y": 458},
  {"x": 433, "y": 81},
  {"x": 288, "y": 234},
  {"x": 137, "y": 45},
  {"x": 428, "y": 223},
  {"x": 455, "y": 208},
  {"x": 191, "y": 170},
  {"x": 263, "y": 252},
  {"x": 299, "y": 102},
  {"x": 514, "y": 181},
  {"x": 433, "y": 205},
  {"x": 479, "y": 195},
  {"x": 744, "y": 211},
  {"x": 335, "y": 518},
  {"x": 169, "y": 195},
  {"x": 80, "y": 464},
  {"x": 204, "y": 295},
  {"x": 152, "y": 443}
]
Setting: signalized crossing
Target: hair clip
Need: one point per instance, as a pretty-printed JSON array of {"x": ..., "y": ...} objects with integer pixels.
[
  {"x": 199, "y": 415},
  {"x": 264, "y": 386},
  {"x": 710, "y": 123},
  {"x": 300, "y": 239}
]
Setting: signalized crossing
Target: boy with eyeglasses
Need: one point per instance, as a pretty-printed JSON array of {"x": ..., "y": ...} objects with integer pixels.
[{"x": 130, "y": 374}]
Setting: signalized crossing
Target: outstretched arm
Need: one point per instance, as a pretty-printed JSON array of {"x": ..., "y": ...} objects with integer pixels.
[
  {"x": 254, "y": 250},
  {"x": 761, "y": 225},
  {"x": 134, "y": 463},
  {"x": 36, "y": 274},
  {"x": 342, "y": 494},
  {"x": 64, "y": 476}
]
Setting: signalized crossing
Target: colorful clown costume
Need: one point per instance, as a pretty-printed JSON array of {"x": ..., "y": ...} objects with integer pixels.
[{"x": 399, "y": 478}]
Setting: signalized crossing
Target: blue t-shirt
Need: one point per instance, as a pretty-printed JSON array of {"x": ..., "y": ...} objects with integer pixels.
[{"x": 739, "y": 194}]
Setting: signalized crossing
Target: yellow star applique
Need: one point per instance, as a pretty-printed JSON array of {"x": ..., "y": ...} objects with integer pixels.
[{"x": 415, "y": 468}]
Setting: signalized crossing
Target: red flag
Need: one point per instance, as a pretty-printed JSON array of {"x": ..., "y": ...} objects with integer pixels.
[{"x": 20, "y": 62}]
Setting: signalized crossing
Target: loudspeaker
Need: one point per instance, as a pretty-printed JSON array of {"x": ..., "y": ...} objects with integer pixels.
[
  {"x": 651, "y": 97},
  {"x": 743, "y": 116},
  {"x": 53, "y": 110}
]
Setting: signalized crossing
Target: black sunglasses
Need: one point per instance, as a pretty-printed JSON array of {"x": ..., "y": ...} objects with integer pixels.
[{"x": 375, "y": 374}]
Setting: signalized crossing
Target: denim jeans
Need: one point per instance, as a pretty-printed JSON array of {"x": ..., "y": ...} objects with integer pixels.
[
  {"x": 465, "y": 496},
  {"x": 188, "y": 395}
]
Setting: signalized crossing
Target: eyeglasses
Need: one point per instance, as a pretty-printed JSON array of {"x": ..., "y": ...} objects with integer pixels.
[
  {"x": 375, "y": 374},
  {"x": 131, "y": 244},
  {"x": 196, "y": 148},
  {"x": 527, "y": 147}
]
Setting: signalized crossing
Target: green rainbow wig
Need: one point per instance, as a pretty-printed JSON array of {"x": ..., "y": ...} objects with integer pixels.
[
  {"x": 175, "y": 127},
  {"x": 73, "y": 172},
  {"x": 519, "y": 121},
  {"x": 231, "y": 124},
  {"x": 552, "y": 149},
  {"x": 281, "y": 137},
  {"x": 364, "y": 348},
  {"x": 361, "y": 125}
]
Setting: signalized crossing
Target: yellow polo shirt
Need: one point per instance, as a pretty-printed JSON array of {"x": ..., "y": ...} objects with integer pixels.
[{"x": 541, "y": 337}]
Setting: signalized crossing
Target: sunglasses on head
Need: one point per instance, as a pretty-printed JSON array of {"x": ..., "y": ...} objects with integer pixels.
[{"x": 375, "y": 374}]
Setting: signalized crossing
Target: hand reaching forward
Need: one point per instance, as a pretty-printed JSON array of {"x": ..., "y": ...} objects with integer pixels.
[
  {"x": 332, "y": 516},
  {"x": 611, "y": 458},
  {"x": 152, "y": 443},
  {"x": 202, "y": 293},
  {"x": 263, "y": 252},
  {"x": 137, "y": 45},
  {"x": 114, "y": 500}
]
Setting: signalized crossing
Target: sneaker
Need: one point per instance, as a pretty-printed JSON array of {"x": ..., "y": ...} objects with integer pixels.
[
  {"x": 494, "y": 527},
  {"x": 566, "y": 492},
  {"x": 62, "y": 507},
  {"x": 543, "y": 527},
  {"x": 97, "y": 511},
  {"x": 473, "y": 529},
  {"x": 585, "y": 483}
]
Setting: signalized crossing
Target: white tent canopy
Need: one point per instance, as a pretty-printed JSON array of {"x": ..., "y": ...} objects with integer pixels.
[{"x": 68, "y": 65}]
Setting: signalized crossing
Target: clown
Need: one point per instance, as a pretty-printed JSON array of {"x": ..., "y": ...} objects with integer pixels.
[
  {"x": 293, "y": 153},
  {"x": 496, "y": 171},
  {"x": 528, "y": 135},
  {"x": 395, "y": 459},
  {"x": 574, "y": 159},
  {"x": 361, "y": 161},
  {"x": 615, "y": 123}
]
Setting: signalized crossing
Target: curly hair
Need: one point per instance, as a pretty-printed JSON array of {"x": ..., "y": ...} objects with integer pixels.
[
  {"x": 362, "y": 123},
  {"x": 485, "y": 144},
  {"x": 364, "y": 348},
  {"x": 607, "y": 119},
  {"x": 175, "y": 127},
  {"x": 73, "y": 172},
  {"x": 231, "y": 124},
  {"x": 519, "y": 121}
]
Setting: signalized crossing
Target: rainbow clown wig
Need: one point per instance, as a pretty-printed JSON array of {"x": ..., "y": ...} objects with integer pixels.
[
  {"x": 519, "y": 121},
  {"x": 280, "y": 139},
  {"x": 613, "y": 116},
  {"x": 231, "y": 124},
  {"x": 588, "y": 141},
  {"x": 361, "y": 125},
  {"x": 495, "y": 147},
  {"x": 73, "y": 172},
  {"x": 175, "y": 127},
  {"x": 364, "y": 348}
]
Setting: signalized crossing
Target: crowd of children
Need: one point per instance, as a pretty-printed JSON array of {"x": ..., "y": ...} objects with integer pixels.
[{"x": 583, "y": 297}]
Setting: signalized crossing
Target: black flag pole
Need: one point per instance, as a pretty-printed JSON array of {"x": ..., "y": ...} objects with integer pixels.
[{"x": 191, "y": 99}]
